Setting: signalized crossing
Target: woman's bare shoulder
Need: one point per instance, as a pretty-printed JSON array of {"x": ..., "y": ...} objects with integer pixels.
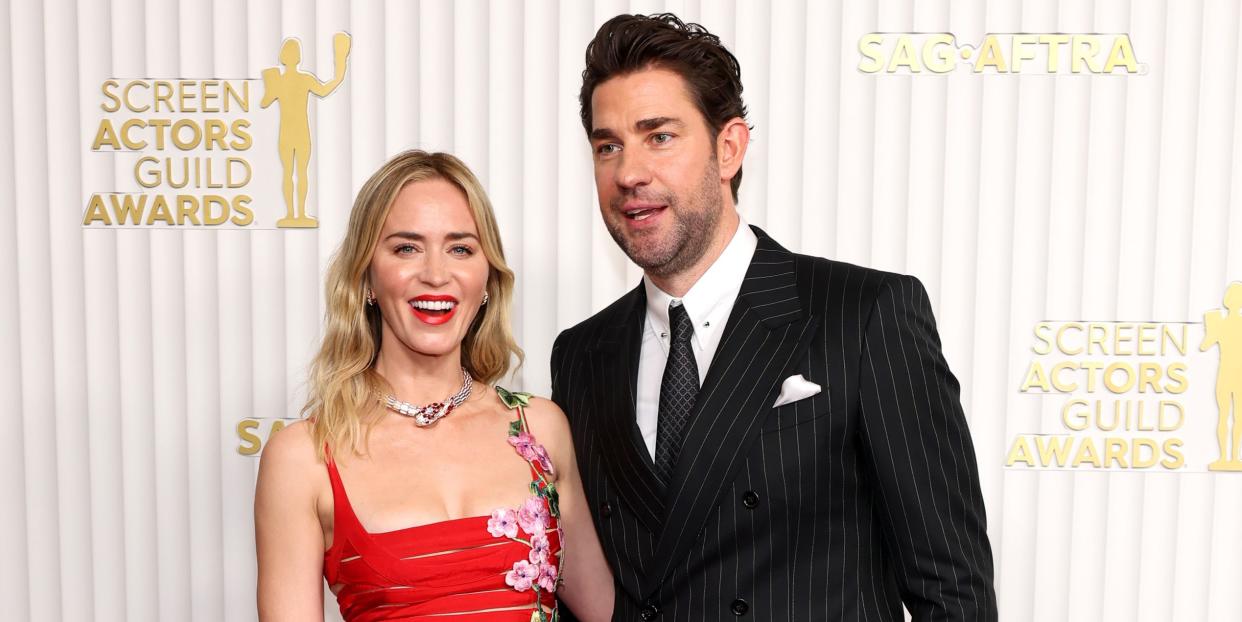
[
  {"x": 548, "y": 424},
  {"x": 290, "y": 455},
  {"x": 545, "y": 417},
  {"x": 294, "y": 443}
]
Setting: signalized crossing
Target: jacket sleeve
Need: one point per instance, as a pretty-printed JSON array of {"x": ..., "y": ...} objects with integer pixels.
[
  {"x": 558, "y": 394},
  {"x": 564, "y": 614},
  {"x": 916, "y": 443}
]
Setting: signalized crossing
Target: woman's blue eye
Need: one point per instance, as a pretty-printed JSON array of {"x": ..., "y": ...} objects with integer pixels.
[
  {"x": 404, "y": 249},
  {"x": 462, "y": 250}
]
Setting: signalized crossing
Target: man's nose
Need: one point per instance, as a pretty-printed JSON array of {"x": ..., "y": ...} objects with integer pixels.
[{"x": 633, "y": 170}]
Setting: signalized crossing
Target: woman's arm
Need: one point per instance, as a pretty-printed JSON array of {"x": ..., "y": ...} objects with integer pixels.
[
  {"x": 588, "y": 584},
  {"x": 288, "y": 534}
]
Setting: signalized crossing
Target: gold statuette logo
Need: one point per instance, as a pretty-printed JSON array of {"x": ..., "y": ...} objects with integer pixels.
[
  {"x": 291, "y": 90},
  {"x": 1223, "y": 328}
]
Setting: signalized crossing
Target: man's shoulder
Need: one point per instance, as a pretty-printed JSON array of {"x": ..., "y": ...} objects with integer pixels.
[
  {"x": 829, "y": 280},
  {"x": 839, "y": 289},
  {"x": 607, "y": 319},
  {"x": 821, "y": 277}
]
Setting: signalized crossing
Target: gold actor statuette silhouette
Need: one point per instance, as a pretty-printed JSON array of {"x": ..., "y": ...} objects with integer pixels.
[
  {"x": 1223, "y": 328},
  {"x": 292, "y": 89}
]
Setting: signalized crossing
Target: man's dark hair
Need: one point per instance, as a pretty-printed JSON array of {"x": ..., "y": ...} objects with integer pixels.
[{"x": 629, "y": 43}]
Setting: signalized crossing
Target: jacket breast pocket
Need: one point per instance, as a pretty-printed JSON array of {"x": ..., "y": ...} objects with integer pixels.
[{"x": 797, "y": 413}]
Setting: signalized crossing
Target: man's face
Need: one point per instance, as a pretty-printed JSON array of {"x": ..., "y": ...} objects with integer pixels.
[{"x": 655, "y": 170}]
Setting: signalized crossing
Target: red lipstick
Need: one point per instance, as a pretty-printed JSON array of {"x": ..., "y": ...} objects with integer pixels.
[{"x": 434, "y": 309}]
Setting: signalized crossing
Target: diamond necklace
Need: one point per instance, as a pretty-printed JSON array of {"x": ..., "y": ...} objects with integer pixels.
[{"x": 426, "y": 415}]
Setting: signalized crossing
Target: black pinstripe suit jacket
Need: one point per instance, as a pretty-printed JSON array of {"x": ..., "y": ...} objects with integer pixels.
[{"x": 840, "y": 506}]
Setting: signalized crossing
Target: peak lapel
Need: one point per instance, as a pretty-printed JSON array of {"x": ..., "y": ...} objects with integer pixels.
[
  {"x": 615, "y": 372},
  {"x": 767, "y": 330}
]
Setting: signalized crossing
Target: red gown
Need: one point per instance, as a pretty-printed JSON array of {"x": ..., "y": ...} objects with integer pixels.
[{"x": 505, "y": 562}]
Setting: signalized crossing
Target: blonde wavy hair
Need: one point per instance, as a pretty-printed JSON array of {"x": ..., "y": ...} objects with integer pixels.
[{"x": 343, "y": 383}]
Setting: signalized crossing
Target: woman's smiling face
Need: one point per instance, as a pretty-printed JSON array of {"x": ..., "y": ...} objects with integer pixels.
[{"x": 428, "y": 271}]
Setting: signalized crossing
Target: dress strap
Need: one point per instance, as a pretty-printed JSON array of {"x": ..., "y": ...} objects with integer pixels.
[
  {"x": 542, "y": 472},
  {"x": 342, "y": 510}
]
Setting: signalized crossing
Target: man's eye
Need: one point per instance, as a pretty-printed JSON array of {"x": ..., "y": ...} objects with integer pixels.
[
  {"x": 607, "y": 149},
  {"x": 661, "y": 138}
]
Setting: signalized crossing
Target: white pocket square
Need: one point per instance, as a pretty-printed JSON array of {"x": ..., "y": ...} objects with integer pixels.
[{"x": 795, "y": 388}]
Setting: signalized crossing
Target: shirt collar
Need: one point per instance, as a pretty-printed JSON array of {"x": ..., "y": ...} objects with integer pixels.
[{"x": 710, "y": 299}]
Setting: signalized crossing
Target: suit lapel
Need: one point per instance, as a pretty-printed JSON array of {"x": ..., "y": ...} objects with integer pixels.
[
  {"x": 614, "y": 360},
  {"x": 767, "y": 330}
]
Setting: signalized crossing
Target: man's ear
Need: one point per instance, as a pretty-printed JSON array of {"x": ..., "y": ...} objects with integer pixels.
[{"x": 731, "y": 145}]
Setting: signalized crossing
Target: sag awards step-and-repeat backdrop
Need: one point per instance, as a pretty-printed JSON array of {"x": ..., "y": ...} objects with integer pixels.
[{"x": 1063, "y": 176}]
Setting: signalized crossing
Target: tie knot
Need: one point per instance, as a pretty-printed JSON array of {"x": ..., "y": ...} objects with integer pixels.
[{"x": 679, "y": 323}]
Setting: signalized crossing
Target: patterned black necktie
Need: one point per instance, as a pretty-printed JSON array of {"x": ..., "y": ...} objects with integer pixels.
[{"x": 678, "y": 390}]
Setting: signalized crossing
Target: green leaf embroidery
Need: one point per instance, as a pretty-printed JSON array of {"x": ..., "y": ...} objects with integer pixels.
[
  {"x": 554, "y": 500},
  {"x": 513, "y": 399},
  {"x": 515, "y": 427}
]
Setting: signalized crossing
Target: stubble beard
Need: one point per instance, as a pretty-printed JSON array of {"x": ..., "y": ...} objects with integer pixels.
[{"x": 689, "y": 234}]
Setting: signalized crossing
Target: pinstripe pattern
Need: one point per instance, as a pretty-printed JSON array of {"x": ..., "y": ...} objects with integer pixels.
[{"x": 841, "y": 506}]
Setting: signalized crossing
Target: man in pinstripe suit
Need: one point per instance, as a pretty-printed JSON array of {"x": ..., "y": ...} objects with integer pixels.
[{"x": 760, "y": 433}]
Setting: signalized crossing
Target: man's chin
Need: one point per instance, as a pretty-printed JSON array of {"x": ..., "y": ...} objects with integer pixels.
[
  {"x": 652, "y": 261},
  {"x": 650, "y": 250},
  {"x": 664, "y": 266}
]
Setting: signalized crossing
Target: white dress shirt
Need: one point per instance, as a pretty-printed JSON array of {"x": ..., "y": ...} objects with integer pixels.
[{"x": 708, "y": 303}]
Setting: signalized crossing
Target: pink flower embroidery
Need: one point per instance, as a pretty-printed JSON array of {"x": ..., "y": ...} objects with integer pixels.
[
  {"x": 503, "y": 523},
  {"x": 539, "y": 548},
  {"x": 524, "y": 443},
  {"x": 541, "y": 456},
  {"x": 522, "y": 576},
  {"x": 531, "y": 451},
  {"x": 547, "y": 577},
  {"x": 533, "y": 516}
]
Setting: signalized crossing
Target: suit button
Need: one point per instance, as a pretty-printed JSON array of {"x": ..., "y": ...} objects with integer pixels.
[
  {"x": 605, "y": 509},
  {"x": 740, "y": 607},
  {"x": 649, "y": 612},
  {"x": 750, "y": 499}
]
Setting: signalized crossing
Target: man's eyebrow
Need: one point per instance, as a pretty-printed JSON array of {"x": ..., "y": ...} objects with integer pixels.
[
  {"x": 602, "y": 133},
  {"x": 642, "y": 125},
  {"x": 418, "y": 237},
  {"x": 646, "y": 125}
]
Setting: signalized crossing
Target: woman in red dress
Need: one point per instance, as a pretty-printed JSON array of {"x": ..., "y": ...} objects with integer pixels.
[{"x": 413, "y": 487}]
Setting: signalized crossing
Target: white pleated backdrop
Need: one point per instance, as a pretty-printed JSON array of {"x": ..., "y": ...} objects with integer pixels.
[{"x": 127, "y": 357}]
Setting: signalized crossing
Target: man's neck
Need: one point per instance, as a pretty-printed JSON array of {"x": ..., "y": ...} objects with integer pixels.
[{"x": 676, "y": 285}]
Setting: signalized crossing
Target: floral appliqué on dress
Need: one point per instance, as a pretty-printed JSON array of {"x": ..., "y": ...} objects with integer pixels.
[{"x": 528, "y": 524}]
